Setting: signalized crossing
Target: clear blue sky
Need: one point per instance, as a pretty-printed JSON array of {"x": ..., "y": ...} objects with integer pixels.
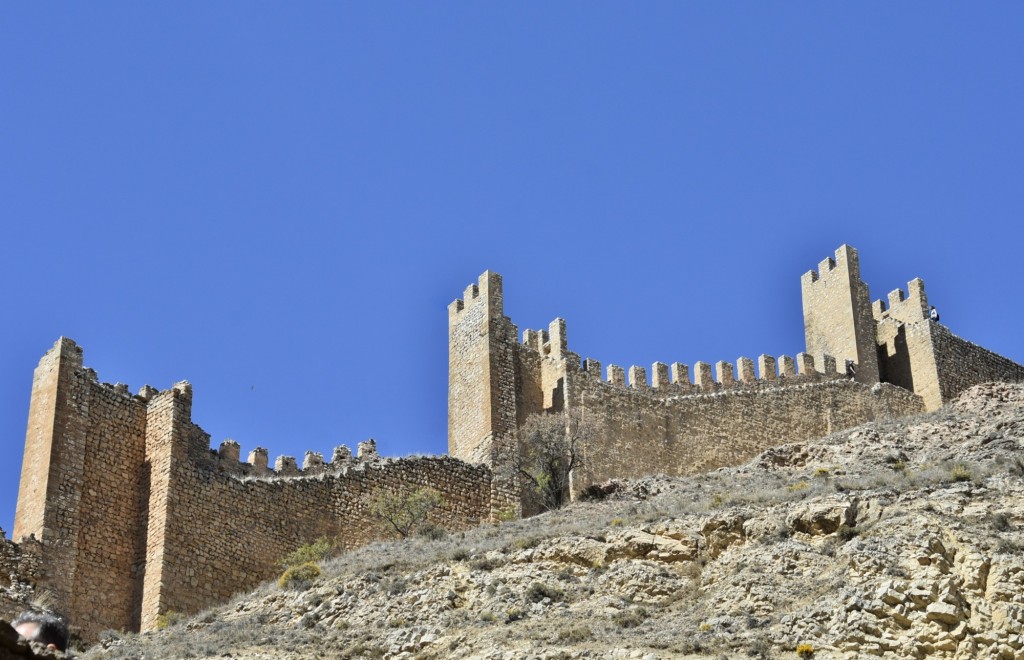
[{"x": 276, "y": 201}]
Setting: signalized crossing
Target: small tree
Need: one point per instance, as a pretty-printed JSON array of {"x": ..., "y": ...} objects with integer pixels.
[
  {"x": 403, "y": 513},
  {"x": 550, "y": 447}
]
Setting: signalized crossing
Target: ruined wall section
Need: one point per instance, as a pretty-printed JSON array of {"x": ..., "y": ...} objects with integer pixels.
[
  {"x": 20, "y": 569},
  {"x": 542, "y": 362},
  {"x": 837, "y": 314}
]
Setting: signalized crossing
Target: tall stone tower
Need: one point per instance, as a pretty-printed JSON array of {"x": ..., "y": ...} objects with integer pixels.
[
  {"x": 52, "y": 471},
  {"x": 481, "y": 373},
  {"x": 837, "y": 315}
]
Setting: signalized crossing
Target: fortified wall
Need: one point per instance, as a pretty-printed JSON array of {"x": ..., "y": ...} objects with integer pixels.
[
  {"x": 863, "y": 362},
  {"x": 137, "y": 516},
  {"x": 125, "y": 512}
]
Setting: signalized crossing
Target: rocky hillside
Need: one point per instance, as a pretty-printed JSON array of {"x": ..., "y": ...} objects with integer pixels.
[{"x": 899, "y": 539}]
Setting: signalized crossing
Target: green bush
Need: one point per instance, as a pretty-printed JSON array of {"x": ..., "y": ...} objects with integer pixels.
[
  {"x": 307, "y": 553},
  {"x": 299, "y": 577}
]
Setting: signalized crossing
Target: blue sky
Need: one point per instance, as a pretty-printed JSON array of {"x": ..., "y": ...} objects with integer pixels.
[{"x": 276, "y": 201}]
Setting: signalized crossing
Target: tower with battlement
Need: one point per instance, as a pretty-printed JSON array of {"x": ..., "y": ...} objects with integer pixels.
[
  {"x": 137, "y": 516},
  {"x": 837, "y": 315},
  {"x": 125, "y": 512},
  {"x": 678, "y": 419}
]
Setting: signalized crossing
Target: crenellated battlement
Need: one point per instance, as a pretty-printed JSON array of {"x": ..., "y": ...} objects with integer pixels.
[
  {"x": 227, "y": 459},
  {"x": 844, "y": 266},
  {"x": 675, "y": 379},
  {"x": 497, "y": 381},
  {"x": 485, "y": 294},
  {"x": 837, "y": 315},
  {"x": 909, "y": 307}
]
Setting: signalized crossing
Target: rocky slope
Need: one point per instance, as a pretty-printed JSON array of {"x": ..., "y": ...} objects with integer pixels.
[{"x": 902, "y": 539}]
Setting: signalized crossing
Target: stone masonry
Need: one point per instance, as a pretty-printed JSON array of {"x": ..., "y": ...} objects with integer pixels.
[
  {"x": 135, "y": 515},
  {"x": 862, "y": 362},
  {"x": 125, "y": 512}
]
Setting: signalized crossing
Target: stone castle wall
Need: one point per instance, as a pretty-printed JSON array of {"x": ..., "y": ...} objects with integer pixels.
[
  {"x": 80, "y": 491},
  {"x": 669, "y": 423},
  {"x": 672, "y": 425},
  {"x": 248, "y": 524},
  {"x": 137, "y": 516},
  {"x": 925, "y": 357},
  {"x": 130, "y": 514},
  {"x": 638, "y": 434},
  {"x": 862, "y": 362},
  {"x": 962, "y": 364}
]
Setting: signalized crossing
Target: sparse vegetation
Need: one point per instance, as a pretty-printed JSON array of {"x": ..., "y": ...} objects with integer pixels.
[
  {"x": 168, "y": 619},
  {"x": 431, "y": 532},
  {"x": 1000, "y": 522},
  {"x": 314, "y": 552},
  {"x": 960, "y": 472},
  {"x": 630, "y": 618},
  {"x": 574, "y": 634},
  {"x": 525, "y": 542},
  {"x": 403, "y": 513},
  {"x": 805, "y": 651},
  {"x": 539, "y": 591},
  {"x": 550, "y": 447},
  {"x": 514, "y": 613},
  {"x": 299, "y": 577},
  {"x": 847, "y": 532}
]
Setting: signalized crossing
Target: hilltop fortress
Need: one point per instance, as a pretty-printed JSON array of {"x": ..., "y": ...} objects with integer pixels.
[{"x": 125, "y": 512}]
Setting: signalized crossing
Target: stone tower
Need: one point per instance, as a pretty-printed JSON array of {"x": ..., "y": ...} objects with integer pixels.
[
  {"x": 837, "y": 315},
  {"x": 481, "y": 373}
]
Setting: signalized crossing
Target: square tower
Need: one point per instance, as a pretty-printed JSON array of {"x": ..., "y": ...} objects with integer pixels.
[{"x": 837, "y": 315}]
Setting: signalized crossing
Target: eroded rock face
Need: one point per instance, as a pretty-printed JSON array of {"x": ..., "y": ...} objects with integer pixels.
[{"x": 899, "y": 540}]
